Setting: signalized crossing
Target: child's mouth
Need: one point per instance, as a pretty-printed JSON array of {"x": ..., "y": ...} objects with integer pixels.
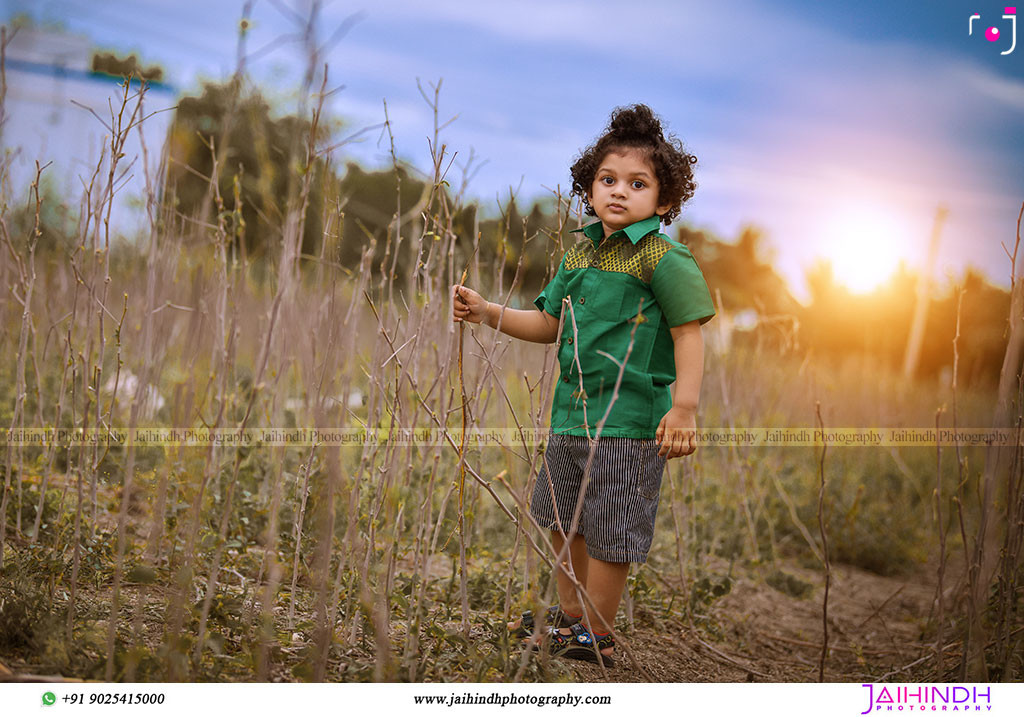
[{"x": 616, "y": 208}]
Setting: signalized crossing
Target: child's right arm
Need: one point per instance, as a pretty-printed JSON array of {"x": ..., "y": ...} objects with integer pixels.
[{"x": 531, "y": 325}]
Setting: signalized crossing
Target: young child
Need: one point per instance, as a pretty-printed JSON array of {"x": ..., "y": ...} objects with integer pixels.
[{"x": 625, "y": 293}]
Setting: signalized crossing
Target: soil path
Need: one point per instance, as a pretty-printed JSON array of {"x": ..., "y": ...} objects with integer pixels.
[{"x": 876, "y": 629}]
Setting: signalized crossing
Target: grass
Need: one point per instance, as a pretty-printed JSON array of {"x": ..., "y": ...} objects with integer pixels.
[
  {"x": 318, "y": 562},
  {"x": 393, "y": 565}
]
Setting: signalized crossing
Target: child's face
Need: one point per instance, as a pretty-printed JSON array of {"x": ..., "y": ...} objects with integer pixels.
[{"x": 625, "y": 190}]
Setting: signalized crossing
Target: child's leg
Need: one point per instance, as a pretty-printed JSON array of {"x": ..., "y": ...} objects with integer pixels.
[
  {"x": 568, "y": 598},
  {"x": 605, "y": 583},
  {"x": 619, "y": 511}
]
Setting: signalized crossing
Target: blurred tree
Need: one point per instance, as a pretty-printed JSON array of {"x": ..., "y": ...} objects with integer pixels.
[
  {"x": 107, "y": 63},
  {"x": 57, "y": 221},
  {"x": 983, "y": 331},
  {"x": 263, "y": 154},
  {"x": 838, "y": 323},
  {"x": 533, "y": 238},
  {"x": 740, "y": 271},
  {"x": 370, "y": 201}
]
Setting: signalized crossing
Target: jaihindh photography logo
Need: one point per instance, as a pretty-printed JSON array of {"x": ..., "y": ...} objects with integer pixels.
[
  {"x": 928, "y": 698},
  {"x": 995, "y": 34}
]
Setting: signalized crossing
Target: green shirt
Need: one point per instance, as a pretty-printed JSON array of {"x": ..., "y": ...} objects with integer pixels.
[{"x": 605, "y": 281}]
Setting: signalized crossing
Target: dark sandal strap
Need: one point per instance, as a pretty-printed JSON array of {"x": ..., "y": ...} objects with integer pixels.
[
  {"x": 580, "y": 645},
  {"x": 554, "y": 617},
  {"x": 557, "y": 618}
]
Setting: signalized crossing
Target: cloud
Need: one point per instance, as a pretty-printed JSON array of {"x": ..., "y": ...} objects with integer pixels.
[{"x": 989, "y": 85}]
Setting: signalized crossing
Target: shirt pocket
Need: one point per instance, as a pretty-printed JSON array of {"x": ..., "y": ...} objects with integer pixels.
[
  {"x": 591, "y": 324},
  {"x": 629, "y": 307},
  {"x": 630, "y": 304},
  {"x": 617, "y": 299},
  {"x": 603, "y": 302}
]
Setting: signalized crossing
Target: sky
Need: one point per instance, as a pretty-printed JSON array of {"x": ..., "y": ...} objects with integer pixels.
[{"x": 836, "y": 129}]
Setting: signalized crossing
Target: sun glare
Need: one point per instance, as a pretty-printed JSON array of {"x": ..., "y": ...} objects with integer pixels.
[{"x": 864, "y": 246}]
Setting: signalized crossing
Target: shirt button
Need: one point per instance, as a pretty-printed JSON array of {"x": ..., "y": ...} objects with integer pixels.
[
  {"x": 565, "y": 378},
  {"x": 582, "y": 299},
  {"x": 570, "y": 340}
]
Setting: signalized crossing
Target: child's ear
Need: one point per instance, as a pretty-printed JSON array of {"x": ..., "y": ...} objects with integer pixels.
[{"x": 663, "y": 210}]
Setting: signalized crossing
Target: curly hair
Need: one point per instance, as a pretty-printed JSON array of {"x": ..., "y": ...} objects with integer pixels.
[{"x": 637, "y": 127}]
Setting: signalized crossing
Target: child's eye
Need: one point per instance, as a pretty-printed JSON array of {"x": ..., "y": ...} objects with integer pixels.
[
  {"x": 637, "y": 184},
  {"x": 607, "y": 180}
]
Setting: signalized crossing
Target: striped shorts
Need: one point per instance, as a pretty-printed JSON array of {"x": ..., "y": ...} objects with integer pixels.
[{"x": 621, "y": 499}]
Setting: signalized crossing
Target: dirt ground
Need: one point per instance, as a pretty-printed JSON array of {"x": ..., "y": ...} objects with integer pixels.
[
  {"x": 755, "y": 633},
  {"x": 875, "y": 634}
]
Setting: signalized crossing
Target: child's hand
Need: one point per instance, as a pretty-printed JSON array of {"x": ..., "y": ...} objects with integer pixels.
[
  {"x": 467, "y": 305},
  {"x": 676, "y": 433}
]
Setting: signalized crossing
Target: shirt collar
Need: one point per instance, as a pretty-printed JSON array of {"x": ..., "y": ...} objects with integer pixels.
[{"x": 635, "y": 231}]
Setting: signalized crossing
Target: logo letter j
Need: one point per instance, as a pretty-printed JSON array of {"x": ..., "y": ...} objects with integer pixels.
[
  {"x": 1011, "y": 15},
  {"x": 871, "y": 698}
]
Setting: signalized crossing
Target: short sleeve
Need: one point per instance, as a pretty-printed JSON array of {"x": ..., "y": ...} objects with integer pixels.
[
  {"x": 550, "y": 299},
  {"x": 680, "y": 289}
]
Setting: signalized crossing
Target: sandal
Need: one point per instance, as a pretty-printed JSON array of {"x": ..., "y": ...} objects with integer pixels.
[
  {"x": 581, "y": 644},
  {"x": 553, "y": 617}
]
